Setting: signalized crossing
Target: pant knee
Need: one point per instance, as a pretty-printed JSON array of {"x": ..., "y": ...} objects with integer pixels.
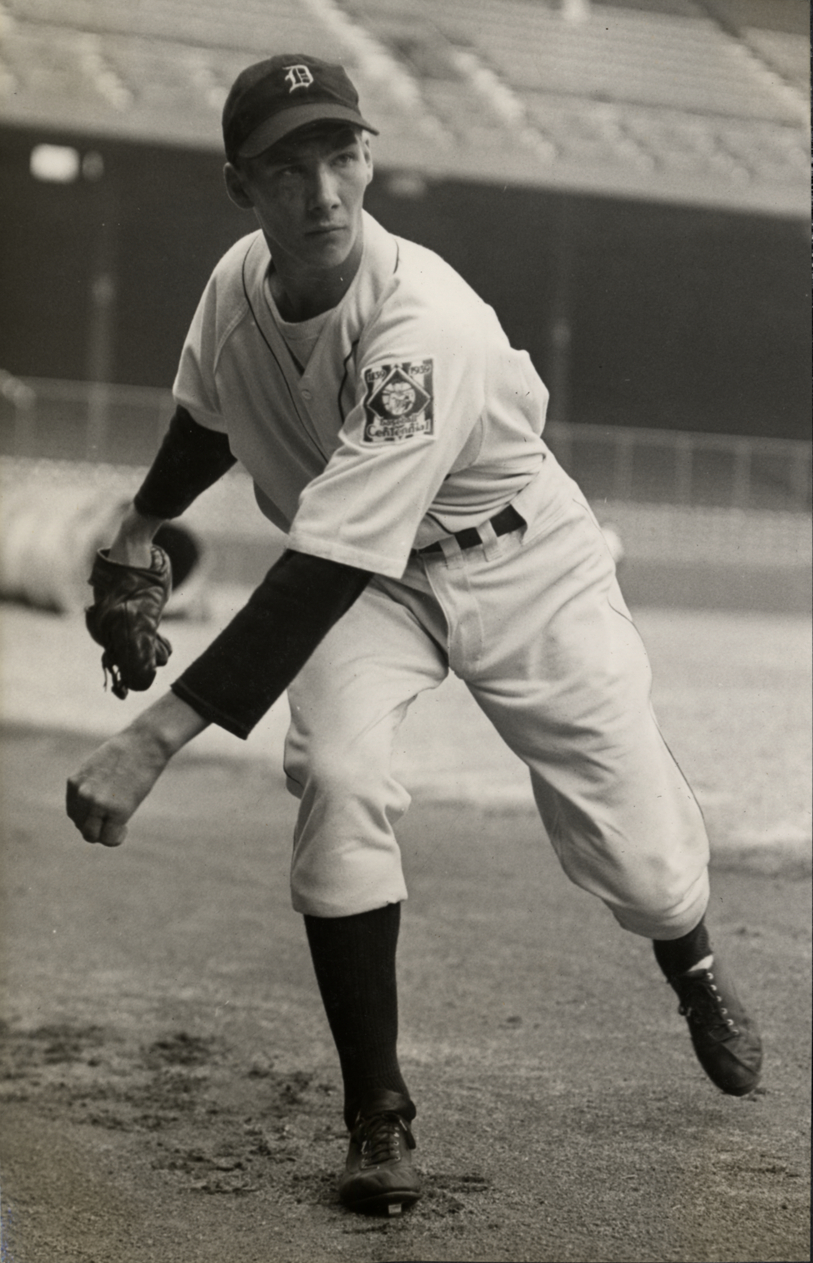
[
  {"x": 346, "y": 858},
  {"x": 327, "y": 763},
  {"x": 353, "y": 780}
]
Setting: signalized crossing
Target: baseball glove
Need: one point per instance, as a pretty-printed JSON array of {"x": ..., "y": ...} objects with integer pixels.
[{"x": 127, "y": 607}]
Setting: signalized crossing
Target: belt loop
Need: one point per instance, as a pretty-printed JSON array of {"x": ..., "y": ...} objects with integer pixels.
[
  {"x": 452, "y": 552},
  {"x": 490, "y": 539}
]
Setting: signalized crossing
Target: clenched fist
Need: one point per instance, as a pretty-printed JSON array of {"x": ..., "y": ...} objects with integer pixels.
[{"x": 118, "y": 776}]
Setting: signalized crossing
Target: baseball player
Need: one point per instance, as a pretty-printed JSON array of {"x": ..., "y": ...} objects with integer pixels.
[{"x": 396, "y": 436}]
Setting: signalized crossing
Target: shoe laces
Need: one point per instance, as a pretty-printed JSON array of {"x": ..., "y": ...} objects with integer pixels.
[
  {"x": 702, "y": 1004},
  {"x": 380, "y": 1138}
]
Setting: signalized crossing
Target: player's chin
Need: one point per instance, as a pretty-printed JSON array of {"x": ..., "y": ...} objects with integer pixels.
[{"x": 330, "y": 248}]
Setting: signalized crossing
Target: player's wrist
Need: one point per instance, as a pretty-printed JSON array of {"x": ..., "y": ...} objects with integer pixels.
[
  {"x": 132, "y": 545},
  {"x": 166, "y": 726}
]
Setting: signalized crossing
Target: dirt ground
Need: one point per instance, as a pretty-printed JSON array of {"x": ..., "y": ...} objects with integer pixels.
[
  {"x": 169, "y": 1088},
  {"x": 168, "y": 1084}
]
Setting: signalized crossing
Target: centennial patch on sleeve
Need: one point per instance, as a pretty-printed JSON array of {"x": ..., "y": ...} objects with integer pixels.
[{"x": 398, "y": 401}]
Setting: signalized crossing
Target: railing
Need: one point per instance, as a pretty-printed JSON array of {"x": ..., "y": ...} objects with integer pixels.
[
  {"x": 90, "y": 421},
  {"x": 123, "y": 425},
  {"x": 685, "y": 467}
]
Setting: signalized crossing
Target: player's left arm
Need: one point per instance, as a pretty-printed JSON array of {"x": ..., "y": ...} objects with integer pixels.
[
  {"x": 233, "y": 683},
  {"x": 106, "y": 790},
  {"x": 247, "y": 667},
  {"x": 265, "y": 646},
  {"x": 418, "y": 415}
]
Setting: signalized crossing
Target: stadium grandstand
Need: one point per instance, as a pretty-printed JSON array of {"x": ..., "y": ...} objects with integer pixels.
[
  {"x": 627, "y": 181},
  {"x": 687, "y": 100}
]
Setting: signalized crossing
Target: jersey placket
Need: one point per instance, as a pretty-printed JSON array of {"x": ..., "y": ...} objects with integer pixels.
[{"x": 254, "y": 267}]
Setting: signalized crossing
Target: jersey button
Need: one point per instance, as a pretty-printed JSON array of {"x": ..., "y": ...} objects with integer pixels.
[{"x": 306, "y": 394}]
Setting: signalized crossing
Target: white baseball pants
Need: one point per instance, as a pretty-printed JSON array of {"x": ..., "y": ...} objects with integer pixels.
[{"x": 535, "y": 624}]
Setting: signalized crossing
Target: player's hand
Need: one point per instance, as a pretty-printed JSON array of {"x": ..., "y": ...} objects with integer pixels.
[
  {"x": 111, "y": 784},
  {"x": 132, "y": 545},
  {"x": 118, "y": 776}
]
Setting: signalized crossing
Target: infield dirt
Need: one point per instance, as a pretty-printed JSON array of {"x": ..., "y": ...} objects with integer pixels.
[
  {"x": 169, "y": 1087},
  {"x": 168, "y": 1084}
]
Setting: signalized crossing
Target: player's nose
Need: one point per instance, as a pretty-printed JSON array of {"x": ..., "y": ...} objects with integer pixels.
[{"x": 323, "y": 191}]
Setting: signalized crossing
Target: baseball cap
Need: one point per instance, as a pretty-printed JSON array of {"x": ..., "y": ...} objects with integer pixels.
[{"x": 276, "y": 96}]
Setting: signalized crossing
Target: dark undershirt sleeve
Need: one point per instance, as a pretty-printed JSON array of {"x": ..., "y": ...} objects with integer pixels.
[
  {"x": 190, "y": 459},
  {"x": 254, "y": 659}
]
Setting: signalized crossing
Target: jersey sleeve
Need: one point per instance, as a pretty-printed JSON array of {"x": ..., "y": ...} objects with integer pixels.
[
  {"x": 254, "y": 659},
  {"x": 191, "y": 458},
  {"x": 195, "y": 387},
  {"x": 420, "y": 395}
]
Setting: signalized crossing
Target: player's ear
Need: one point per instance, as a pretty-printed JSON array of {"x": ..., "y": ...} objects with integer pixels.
[
  {"x": 236, "y": 187},
  {"x": 368, "y": 155}
]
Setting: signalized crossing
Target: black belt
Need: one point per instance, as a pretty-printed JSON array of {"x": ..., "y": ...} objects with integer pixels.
[{"x": 504, "y": 522}]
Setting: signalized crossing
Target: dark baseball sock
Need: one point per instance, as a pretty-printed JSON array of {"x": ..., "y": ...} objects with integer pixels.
[
  {"x": 354, "y": 961},
  {"x": 676, "y": 956}
]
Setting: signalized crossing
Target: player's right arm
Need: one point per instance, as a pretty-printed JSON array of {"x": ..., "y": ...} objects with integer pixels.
[
  {"x": 235, "y": 681},
  {"x": 195, "y": 451},
  {"x": 103, "y": 794},
  {"x": 190, "y": 459}
]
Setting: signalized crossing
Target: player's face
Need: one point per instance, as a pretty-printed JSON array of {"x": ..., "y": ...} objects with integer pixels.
[{"x": 308, "y": 197}]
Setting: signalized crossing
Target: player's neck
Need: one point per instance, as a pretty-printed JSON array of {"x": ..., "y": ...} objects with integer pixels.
[{"x": 302, "y": 294}]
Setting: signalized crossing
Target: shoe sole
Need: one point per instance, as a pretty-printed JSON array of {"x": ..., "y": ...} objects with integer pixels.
[
  {"x": 390, "y": 1202},
  {"x": 740, "y": 1091}
]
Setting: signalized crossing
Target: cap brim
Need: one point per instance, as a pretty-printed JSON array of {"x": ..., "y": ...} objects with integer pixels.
[{"x": 287, "y": 121}]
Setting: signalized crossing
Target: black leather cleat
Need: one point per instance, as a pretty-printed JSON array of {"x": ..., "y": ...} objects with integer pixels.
[
  {"x": 725, "y": 1038},
  {"x": 379, "y": 1175}
]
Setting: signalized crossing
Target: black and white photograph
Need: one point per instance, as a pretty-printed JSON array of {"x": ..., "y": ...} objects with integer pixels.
[{"x": 405, "y": 631}]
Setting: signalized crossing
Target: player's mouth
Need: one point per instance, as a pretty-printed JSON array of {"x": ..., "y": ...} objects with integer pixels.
[{"x": 326, "y": 230}]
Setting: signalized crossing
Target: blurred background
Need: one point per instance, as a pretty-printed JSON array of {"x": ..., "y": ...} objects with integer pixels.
[{"x": 626, "y": 181}]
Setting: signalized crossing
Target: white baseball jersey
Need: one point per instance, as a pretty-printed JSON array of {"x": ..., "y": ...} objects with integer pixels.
[{"x": 413, "y": 417}]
